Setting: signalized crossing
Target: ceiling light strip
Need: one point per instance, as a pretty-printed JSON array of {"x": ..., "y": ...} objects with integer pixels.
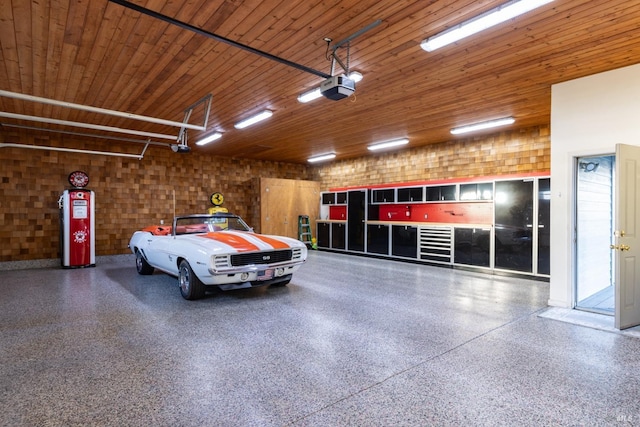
[
  {"x": 483, "y": 125},
  {"x": 481, "y": 22},
  {"x": 388, "y": 144},
  {"x": 262, "y": 115},
  {"x": 207, "y": 139},
  {"x": 310, "y": 95},
  {"x": 131, "y": 116},
  {"x": 321, "y": 158}
]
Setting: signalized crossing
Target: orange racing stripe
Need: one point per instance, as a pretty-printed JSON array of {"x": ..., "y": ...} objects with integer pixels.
[
  {"x": 277, "y": 244},
  {"x": 236, "y": 242},
  {"x": 242, "y": 245}
]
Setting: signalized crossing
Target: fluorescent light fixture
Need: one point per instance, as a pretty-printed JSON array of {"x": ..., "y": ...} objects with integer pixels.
[
  {"x": 310, "y": 95},
  {"x": 315, "y": 93},
  {"x": 321, "y": 158},
  {"x": 483, "y": 125},
  {"x": 209, "y": 138},
  {"x": 481, "y": 22},
  {"x": 388, "y": 144},
  {"x": 254, "y": 119}
]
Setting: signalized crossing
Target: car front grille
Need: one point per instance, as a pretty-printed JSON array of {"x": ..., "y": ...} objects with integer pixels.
[{"x": 269, "y": 257}]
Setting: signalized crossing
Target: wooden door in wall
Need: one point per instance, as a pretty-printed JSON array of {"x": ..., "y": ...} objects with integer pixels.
[{"x": 282, "y": 201}]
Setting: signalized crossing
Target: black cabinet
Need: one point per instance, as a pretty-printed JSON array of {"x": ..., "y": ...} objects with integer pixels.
[
  {"x": 383, "y": 196},
  {"x": 338, "y": 236},
  {"x": 472, "y": 246},
  {"x": 544, "y": 225},
  {"x": 356, "y": 201},
  {"x": 378, "y": 239},
  {"x": 404, "y": 241},
  {"x": 328, "y": 198},
  {"x": 514, "y": 225},
  {"x": 323, "y": 231},
  {"x": 410, "y": 194},
  {"x": 475, "y": 191},
  {"x": 441, "y": 192}
]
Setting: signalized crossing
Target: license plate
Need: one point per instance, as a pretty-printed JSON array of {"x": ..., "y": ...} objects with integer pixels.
[{"x": 265, "y": 274}]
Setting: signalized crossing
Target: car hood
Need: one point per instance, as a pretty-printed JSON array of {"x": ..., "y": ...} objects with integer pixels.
[{"x": 238, "y": 241}]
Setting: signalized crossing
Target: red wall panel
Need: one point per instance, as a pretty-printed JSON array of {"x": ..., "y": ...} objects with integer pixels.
[{"x": 457, "y": 213}]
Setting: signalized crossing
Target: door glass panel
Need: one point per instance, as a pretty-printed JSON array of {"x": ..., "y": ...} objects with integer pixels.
[
  {"x": 594, "y": 231},
  {"x": 544, "y": 225},
  {"x": 514, "y": 225}
]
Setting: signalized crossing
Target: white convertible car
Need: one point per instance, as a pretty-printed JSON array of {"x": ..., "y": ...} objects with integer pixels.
[{"x": 217, "y": 249}]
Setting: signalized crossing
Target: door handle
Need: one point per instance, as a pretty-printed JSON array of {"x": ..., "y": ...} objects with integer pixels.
[{"x": 620, "y": 247}]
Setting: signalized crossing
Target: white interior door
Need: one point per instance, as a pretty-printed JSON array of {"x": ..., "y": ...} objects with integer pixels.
[{"x": 627, "y": 237}]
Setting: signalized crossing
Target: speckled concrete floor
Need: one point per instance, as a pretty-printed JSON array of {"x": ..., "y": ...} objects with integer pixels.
[{"x": 350, "y": 342}]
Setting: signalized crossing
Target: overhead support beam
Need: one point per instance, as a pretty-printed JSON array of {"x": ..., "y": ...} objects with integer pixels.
[
  {"x": 356, "y": 34},
  {"x": 89, "y": 135},
  {"x": 73, "y": 150},
  {"x": 48, "y": 101},
  {"x": 347, "y": 42},
  {"x": 213, "y": 36},
  {"x": 86, "y": 125}
]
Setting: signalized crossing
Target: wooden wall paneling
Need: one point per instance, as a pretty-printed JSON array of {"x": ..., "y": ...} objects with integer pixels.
[
  {"x": 282, "y": 201},
  {"x": 277, "y": 207},
  {"x": 523, "y": 151},
  {"x": 130, "y": 193},
  {"x": 133, "y": 193}
]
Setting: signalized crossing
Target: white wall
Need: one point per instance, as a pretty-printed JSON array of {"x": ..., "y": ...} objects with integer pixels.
[{"x": 588, "y": 116}]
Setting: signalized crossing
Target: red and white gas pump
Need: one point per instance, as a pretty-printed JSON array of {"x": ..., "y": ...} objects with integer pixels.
[{"x": 77, "y": 223}]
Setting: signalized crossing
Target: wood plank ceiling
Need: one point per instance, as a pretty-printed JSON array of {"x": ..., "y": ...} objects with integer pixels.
[{"x": 102, "y": 54}]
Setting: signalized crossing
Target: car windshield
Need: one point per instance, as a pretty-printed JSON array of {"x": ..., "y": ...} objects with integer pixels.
[{"x": 207, "y": 224}]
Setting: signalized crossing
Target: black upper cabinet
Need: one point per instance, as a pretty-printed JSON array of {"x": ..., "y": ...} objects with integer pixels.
[
  {"x": 474, "y": 191},
  {"x": 383, "y": 196},
  {"x": 441, "y": 193},
  {"x": 411, "y": 194},
  {"x": 328, "y": 198}
]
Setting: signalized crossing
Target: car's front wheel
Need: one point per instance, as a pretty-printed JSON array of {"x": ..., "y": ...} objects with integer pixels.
[
  {"x": 142, "y": 265},
  {"x": 190, "y": 286}
]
